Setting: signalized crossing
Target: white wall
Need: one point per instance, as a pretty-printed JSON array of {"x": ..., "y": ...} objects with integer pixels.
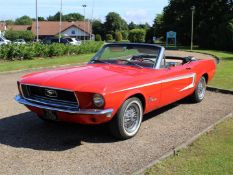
[{"x": 77, "y": 31}]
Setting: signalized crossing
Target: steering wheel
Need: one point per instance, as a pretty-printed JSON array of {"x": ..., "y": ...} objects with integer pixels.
[{"x": 141, "y": 58}]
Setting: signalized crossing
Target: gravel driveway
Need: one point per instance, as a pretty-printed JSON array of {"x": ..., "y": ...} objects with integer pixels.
[{"x": 29, "y": 146}]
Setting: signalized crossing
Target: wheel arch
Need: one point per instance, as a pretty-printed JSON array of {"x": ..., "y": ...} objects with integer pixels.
[
  {"x": 141, "y": 97},
  {"x": 206, "y": 76}
]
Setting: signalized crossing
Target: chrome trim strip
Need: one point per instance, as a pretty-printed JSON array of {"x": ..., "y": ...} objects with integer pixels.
[
  {"x": 193, "y": 75},
  {"x": 107, "y": 112},
  {"x": 192, "y": 85},
  {"x": 50, "y": 104},
  {"x": 49, "y": 87}
]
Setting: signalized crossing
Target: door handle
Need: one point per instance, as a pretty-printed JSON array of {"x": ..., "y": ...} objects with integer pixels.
[{"x": 188, "y": 68}]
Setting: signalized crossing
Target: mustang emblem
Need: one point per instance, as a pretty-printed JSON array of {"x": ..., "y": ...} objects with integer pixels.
[{"x": 50, "y": 93}]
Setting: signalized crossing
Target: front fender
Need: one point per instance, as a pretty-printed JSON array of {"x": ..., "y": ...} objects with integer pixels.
[{"x": 115, "y": 100}]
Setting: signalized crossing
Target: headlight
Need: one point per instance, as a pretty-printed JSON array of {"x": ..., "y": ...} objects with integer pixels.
[{"x": 98, "y": 100}]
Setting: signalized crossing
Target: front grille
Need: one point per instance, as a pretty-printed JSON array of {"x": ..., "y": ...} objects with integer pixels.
[{"x": 57, "y": 97}]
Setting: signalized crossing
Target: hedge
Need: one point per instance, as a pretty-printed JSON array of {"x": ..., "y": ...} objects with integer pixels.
[
  {"x": 118, "y": 36},
  {"x": 98, "y": 37},
  {"x": 137, "y": 35},
  {"x": 109, "y": 37},
  {"x": 13, "y": 35},
  {"x": 34, "y": 50}
]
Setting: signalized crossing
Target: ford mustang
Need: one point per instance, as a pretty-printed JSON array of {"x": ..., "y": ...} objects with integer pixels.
[{"x": 120, "y": 84}]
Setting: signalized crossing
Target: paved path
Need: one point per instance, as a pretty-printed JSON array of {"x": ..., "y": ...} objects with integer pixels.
[{"x": 29, "y": 146}]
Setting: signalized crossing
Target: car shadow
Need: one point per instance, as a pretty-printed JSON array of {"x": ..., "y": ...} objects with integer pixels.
[{"x": 26, "y": 130}]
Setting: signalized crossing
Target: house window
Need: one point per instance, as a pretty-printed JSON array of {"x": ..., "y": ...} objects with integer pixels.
[{"x": 73, "y": 32}]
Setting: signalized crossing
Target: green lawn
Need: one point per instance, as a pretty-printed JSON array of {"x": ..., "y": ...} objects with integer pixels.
[
  {"x": 43, "y": 62},
  {"x": 224, "y": 74},
  {"x": 211, "y": 154},
  {"x": 110, "y": 54}
]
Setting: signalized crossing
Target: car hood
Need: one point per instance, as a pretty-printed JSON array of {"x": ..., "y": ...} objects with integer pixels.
[{"x": 97, "y": 78}]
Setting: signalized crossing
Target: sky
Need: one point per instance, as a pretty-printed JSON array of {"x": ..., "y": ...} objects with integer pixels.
[{"x": 138, "y": 11}]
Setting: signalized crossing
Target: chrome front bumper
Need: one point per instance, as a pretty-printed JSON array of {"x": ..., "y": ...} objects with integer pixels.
[{"x": 27, "y": 102}]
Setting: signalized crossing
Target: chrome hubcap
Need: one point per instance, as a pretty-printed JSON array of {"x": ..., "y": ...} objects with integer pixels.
[
  {"x": 131, "y": 118},
  {"x": 201, "y": 88}
]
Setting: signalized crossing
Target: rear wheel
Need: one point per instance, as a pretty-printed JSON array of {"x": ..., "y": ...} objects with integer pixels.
[
  {"x": 128, "y": 119},
  {"x": 200, "y": 91}
]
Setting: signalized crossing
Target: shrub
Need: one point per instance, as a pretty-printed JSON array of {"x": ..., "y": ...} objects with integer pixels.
[
  {"x": 26, "y": 35},
  {"x": 118, "y": 36},
  {"x": 98, "y": 37},
  {"x": 137, "y": 35},
  {"x": 125, "y": 34},
  {"x": 109, "y": 37},
  {"x": 13, "y": 35},
  {"x": 35, "y": 50}
]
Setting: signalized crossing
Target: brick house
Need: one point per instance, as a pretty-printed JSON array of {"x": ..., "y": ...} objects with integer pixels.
[{"x": 78, "y": 29}]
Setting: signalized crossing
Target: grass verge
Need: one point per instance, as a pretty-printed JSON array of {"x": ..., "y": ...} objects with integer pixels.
[
  {"x": 43, "y": 62},
  {"x": 224, "y": 74},
  {"x": 211, "y": 154}
]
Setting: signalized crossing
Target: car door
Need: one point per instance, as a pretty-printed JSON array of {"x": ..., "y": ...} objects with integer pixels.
[{"x": 177, "y": 83}]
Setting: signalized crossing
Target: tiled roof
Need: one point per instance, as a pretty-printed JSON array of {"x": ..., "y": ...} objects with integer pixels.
[
  {"x": 19, "y": 27},
  {"x": 53, "y": 27}
]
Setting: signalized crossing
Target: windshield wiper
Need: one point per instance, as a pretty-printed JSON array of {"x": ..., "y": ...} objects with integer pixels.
[{"x": 135, "y": 64}]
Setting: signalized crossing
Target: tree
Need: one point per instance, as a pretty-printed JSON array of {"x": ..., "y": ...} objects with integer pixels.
[
  {"x": 10, "y": 22},
  {"x": 137, "y": 35},
  {"x": 109, "y": 37},
  {"x": 118, "y": 36},
  {"x": 212, "y": 22},
  {"x": 97, "y": 27},
  {"x": 149, "y": 35},
  {"x": 125, "y": 34},
  {"x": 40, "y": 18},
  {"x": 24, "y": 20},
  {"x": 55, "y": 17},
  {"x": 132, "y": 26},
  {"x": 73, "y": 17},
  {"x": 145, "y": 26},
  {"x": 98, "y": 37},
  {"x": 68, "y": 17},
  {"x": 115, "y": 23},
  {"x": 214, "y": 29},
  {"x": 158, "y": 26}
]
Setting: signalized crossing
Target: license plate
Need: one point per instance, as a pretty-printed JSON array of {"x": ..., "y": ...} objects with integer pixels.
[{"x": 50, "y": 115}]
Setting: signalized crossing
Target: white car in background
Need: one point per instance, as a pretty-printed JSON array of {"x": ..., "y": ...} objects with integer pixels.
[
  {"x": 20, "y": 41},
  {"x": 4, "y": 41},
  {"x": 74, "y": 41}
]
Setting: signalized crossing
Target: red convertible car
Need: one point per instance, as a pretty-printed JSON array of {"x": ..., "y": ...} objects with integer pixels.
[{"x": 119, "y": 85}]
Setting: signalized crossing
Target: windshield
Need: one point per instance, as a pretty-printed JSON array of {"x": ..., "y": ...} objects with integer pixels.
[
  {"x": 69, "y": 39},
  {"x": 131, "y": 55}
]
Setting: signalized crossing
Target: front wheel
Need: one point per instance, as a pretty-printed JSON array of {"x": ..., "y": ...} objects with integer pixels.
[
  {"x": 128, "y": 119},
  {"x": 200, "y": 91}
]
